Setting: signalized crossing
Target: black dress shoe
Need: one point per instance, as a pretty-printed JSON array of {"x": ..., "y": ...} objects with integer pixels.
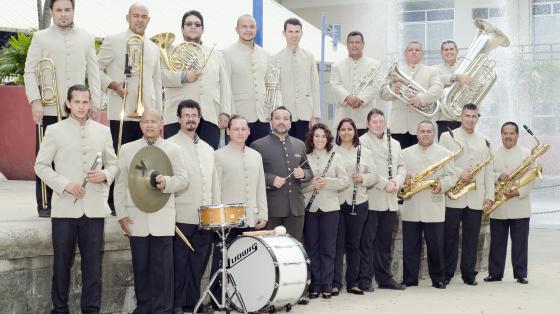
[
  {"x": 523, "y": 280},
  {"x": 470, "y": 282},
  {"x": 393, "y": 286},
  {"x": 45, "y": 213},
  {"x": 303, "y": 301},
  {"x": 409, "y": 284},
  {"x": 438, "y": 285},
  {"x": 335, "y": 292},
  {"x": 354, "y": 291},
  {"x": 492, "y": 278},
  {"x": 369, "y": 289},
  {"x": 327, "y": 295},
  {"x": 313, "y": 295},
  {"x": 203, "y": 308}
]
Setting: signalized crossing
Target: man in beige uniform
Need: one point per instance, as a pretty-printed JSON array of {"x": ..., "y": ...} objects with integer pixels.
[
  {"x": 78, "y": 215},
  {"x": 151, "y": 234},
  {"x": 513, "y": 215},
  {"x": 299, "y": 81},
  {"x": 424, "y": 212},
  {"x": 199, "y": 162},
  {"x": 467, "y": 210},
  {"x": 404, "y": 119},
  {"x": 72, "y": 50},
  {"x": 346, "y": 75},
  {"x": 210, "y": 86},
  {"x": 247, "y": 65},
  {"x": 382, "y": 215},
  {"x": 449, "y": 54}
]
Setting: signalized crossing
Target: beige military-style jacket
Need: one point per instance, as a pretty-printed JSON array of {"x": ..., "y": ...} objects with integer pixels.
[
  {"x": 403, "y": 117},
  {"x": 473, "y": 153},
  {"x": 73, "y": 54},
  {"x": 345, "y": 77},
  {"x": 199, "y": 163},
  {"x": 445, "y": 73},
  {"x": 506, "y": 160},
  {"x": 299, "y": 83},
  {"x": 111, "y": 60},
  {"x": 162, "y": 222},
  {"x": 240, "y": 179},
  {"x": 211, "y": 90},
  {"x": 367, "y": 169},
  {"x": 377, "y": 197},
  {"x": 73, "y": 149},
  {"x": 336, "y": 177},
  {"x": 426, "y": 206},
  {"x": 247, "y": 70}
]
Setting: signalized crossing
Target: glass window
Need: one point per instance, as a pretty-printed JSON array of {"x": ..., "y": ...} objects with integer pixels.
[
  {"x": 414, "y": 32},
  {"x": 480, "y": 13},
  {"x": 495, "y": 12},
  {"x": 439, "y": 15},
  {"x": 437, "y": 33},
  {"x": 541, "y": 9},
  {"x": 413, "y": 16},
  {"x": 556, "y": 8}
]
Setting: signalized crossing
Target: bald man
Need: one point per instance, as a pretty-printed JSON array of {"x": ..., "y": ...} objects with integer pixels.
[{"x": 151, "y": 234}]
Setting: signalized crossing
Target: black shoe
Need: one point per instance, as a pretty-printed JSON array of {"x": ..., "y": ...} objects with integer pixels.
[
  {"x": 492, "y": 278},
  {"x": 471, "y": 282},
  {"x": 313, "y": 295},
  {"x": 438, "y": 285},
  {"x": 523, "y": 280},
  {"x": 410, "y": 284},
  {"x": 204, "y": 308},
  {"x": 327, "y": 295},
  {"x": 393, "y": 286},
  {"x": 303, "y": 301},
  {"x": 46, "y": 213},
  {"x": 178, "y": 310},
  {"x": 335, "y": 292},
  {"x": 354, "y": 291},
  {"x": 368, "y": 289}
]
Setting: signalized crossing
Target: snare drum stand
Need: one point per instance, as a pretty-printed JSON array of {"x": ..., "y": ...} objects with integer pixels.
[{"x": 226, "y": 279}]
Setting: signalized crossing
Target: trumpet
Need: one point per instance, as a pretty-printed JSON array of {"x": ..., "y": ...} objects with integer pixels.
[{"x": 272, "y": 86}]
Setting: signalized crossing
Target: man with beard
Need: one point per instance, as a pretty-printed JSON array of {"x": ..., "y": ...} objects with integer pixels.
[
  {"x": 283, "y": 157},
  {"x": 199, "y": 163},
  {"x": 209, "y": 86}
]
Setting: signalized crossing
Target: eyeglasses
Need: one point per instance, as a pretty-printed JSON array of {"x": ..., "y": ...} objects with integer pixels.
[{"x": 189, "y": 24}]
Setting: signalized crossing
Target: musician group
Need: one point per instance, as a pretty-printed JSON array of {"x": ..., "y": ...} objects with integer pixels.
[{"x": 243, "y": 126}]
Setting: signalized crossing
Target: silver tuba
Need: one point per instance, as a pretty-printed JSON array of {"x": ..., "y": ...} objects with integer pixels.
[
  {"x": 478, "y": 66},
  {"x": 408, "y": 89}
]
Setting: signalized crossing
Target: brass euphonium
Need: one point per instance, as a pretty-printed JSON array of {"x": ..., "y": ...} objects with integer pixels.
[
  {"x": 478, "y": 66},
  {"x": 186, "y": 56},
  {"x": 272, "y": 86},
  {"x": 409, "y": 88},
  {"x": 521, "y": 176},
  {"x": 462, "y": 187},
  {"x": 419, "y": 183}
]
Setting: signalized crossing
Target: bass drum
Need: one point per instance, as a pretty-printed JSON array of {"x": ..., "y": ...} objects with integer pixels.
[{"x": 269, "y": 272}]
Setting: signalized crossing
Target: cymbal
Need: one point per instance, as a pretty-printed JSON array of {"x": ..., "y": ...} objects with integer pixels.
[{"x": 147, "y": 164}]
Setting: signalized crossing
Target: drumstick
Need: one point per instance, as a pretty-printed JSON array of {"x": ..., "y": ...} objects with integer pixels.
[
  {"x": 280, "y": 230},
  {"x": 182, "y": 236},
  {"x": 303, "y": 163}
]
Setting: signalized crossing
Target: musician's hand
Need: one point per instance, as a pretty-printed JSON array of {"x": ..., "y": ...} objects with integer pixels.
[
  {"x": 160, "y": 182},
  {"x": 118, "y": 87},
  {"x": 353, "y": 101},
  {"x": 466, "y": 176},
  {"x": 95, "y": 176},
  {"x": 356, "y": 177},
  {"x": 124, "y": 222},
  {"x": 487, "y": 204},
  {"x": 511, "y": 193},
  {"x": 391, "y": 187},
  {"x": 464, "y": 79},
  {"x": 396, "y": 184},
  {"x": 261, "y": 223},
  {"x": 278, "y": 182},
  {"x": 37, "y": 111},
  {"x": 397, "y": 87},
  {"x": 313, "y": 121},
  {"x": 93, "y": 112},
  {"x": 504, "y": 176},
  {"x": 408, "y": 178},
  {"x": 75, "y": 189},
  {"x": 415, "y": 101},
  {"x": 192, "y": 75},
  {"x": 298, "y": 173},
  {"x": 319, "y": 183},
  {"x": 437, "y": 188}
]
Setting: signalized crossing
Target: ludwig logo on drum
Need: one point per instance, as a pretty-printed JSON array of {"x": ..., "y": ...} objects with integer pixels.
[{"x": 242, "y": 255}]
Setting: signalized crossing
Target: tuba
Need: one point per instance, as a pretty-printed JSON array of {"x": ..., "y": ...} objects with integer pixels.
[
  {"x": 272, "y": 86},
  {"x": 478, "y": 66},
  {"x": 186, "y": 56},
  {"x": 408, "y": 89},
  {"x": 521, "y": 176},
  {"x": 418, "y": 183},
  {"x": 462, "y": 187}
]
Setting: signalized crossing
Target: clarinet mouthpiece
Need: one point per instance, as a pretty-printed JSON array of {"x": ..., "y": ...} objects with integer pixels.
[{"x": 528, "y": 130}]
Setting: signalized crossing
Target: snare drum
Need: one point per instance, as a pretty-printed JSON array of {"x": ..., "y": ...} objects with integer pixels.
[
  {"x": 269, "y": 272},
  {"x": 222, "y": 215}
]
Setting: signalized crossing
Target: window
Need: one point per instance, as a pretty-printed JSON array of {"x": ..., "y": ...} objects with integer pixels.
[{"x": 485, "y": 13}]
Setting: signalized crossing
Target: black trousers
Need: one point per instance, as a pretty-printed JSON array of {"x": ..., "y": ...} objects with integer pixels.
[
  {"x": 131, "y": 132},
  {"x": 443, "y": 126},
  {"x": 152, "y": 264},
  {"x": 209, "y": 132},
  {"x": 293, "y": 225},
  {"x": 88, "y": 234},
  {"x": 171, "y": 129},
  {"x": 406, "y": 139},
  {"x": 412, "y": 245},
  {"x": 320, "y": 233},
  {"x": 469, "y": 220},
  {"x": 519, "y": 233},
  {"x": 189, "y": 266},
  {"x": 350, "y": 229},
  {"x": 299, "y": 129},
  {"x": 47, "y": 120},
  {"x": 258, "y": 130}
]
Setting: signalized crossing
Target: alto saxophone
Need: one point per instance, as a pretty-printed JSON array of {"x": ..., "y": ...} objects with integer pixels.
[
  {"x": 418, "y": 183},
  {"x": 462, "y": 187},
  {"x": 521, "y": 176}
]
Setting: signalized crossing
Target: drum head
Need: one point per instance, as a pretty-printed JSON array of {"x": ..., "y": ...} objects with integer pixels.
[{"x": 255, "y": 273}]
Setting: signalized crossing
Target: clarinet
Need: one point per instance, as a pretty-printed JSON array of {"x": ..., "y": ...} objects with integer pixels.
[
  {"x": 322, "y": 176},
  {"x": 389, "y": 154},
  {"x": 353, "y": 213}
]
